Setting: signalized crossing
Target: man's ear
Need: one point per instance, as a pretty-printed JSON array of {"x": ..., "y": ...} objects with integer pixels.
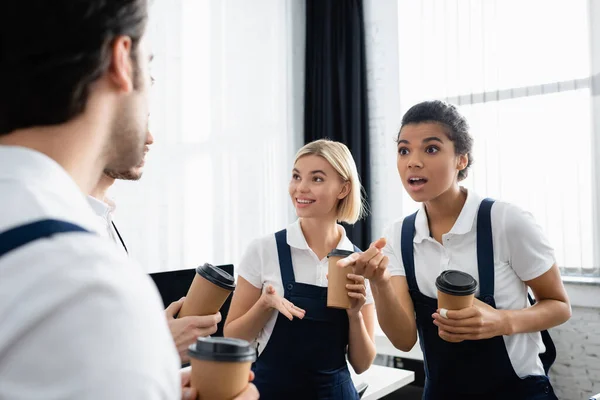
[{"x": 121, "y": 69}]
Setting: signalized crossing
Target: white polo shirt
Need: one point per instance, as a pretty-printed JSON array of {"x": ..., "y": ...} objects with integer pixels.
[
  {"x": 260, "y": 267},
  {"x": 521, "y": 253},
  {"x": 104, "y": 212},
  {"x": 78, "y": 321}
]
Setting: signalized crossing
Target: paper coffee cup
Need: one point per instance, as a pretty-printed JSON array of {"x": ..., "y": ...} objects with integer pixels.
[
  {"x": 207, "y": 293},
  {"x": 220, "y": 367},
  {"x": 456, "y": 290},
  {"x": 337, "y": 294}
]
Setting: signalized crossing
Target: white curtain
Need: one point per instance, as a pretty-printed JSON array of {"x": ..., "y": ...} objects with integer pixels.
[
  {"x": 520, "y": 71},
  {"x": 226, "y": 114}
]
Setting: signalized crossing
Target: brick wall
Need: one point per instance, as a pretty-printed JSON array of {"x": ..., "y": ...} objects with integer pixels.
[{"x": 576, "y": 373}]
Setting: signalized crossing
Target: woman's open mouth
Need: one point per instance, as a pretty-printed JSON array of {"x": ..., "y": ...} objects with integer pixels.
[{"x": 417, "y": 182}]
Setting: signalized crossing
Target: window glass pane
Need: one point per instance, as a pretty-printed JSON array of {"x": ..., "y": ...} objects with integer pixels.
[
  {"x": 532, "y": 148},
  {"x": 457, "y": 47}
]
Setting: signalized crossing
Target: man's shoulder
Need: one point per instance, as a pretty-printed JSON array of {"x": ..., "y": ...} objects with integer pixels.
[
  {"x": 84, "y": 303},
  {"x": 69, "y": 248},
  {"x": 72, "y": 264}
]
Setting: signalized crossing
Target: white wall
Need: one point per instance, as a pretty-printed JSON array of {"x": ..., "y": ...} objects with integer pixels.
[{"x": 381, "y": 31}]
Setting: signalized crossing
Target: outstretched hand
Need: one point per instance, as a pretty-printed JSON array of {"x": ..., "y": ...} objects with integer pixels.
[
  {"x": 371, "y": 264},
  {"x": 271, "y": 299}
]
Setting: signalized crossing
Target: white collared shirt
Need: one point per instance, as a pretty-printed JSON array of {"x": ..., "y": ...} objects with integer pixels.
[
  {"x": 104, "y": 212},
  {"x": 77, "y": 320},
  {"x": 521, "y": 253},
  {"x": 260, "y": 267}
]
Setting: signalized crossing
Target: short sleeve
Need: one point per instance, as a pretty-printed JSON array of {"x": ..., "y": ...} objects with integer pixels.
[
  {"x": 392, "y": 249},
  {"x": 530, "y": 252},
  {"x": 250, "y": 266}
]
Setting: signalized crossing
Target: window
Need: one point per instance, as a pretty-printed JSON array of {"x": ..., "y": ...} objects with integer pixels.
[
  {"x": 521, "y": 72},
  {"x": 225, "y": 110}
]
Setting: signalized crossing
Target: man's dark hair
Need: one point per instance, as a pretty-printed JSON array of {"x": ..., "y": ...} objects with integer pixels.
[
  {"x": 455, "y": 124},
  {"x": 51, "y": 51}
]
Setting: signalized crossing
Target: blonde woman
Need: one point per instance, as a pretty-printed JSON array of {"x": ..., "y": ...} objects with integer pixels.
[{"x": 280, "y": 300}]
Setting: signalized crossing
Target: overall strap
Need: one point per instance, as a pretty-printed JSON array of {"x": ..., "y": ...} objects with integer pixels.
[
  {"x": 285, "y": 258},
  {"x": 485, "y": 261},
  {"x": 406, "y": 246},
  {"x": 485, "y": 250},
  {"x": 21, "y": 235}
]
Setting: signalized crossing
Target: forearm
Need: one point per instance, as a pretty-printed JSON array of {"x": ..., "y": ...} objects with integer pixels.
[
  {"x": 543, "y": 315},
  {"x": 398, "y": 326},
  {"x": 249, "y": 325},
  {"x": 361, "y": 348}
]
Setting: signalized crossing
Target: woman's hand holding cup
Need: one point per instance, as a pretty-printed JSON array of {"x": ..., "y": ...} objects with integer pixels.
[
  {"x": 477, "y": 322},
  {"x": 357, "y": 291},
  {"x": 371, "y": 264}
]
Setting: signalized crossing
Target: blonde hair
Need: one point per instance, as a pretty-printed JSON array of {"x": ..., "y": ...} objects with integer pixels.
[{"x": 352, "y": 207}]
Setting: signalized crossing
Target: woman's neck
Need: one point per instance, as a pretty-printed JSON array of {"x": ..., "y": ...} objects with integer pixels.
[
  {"x": 446, "y": 208},
  {"x": 322, "y": 235}
]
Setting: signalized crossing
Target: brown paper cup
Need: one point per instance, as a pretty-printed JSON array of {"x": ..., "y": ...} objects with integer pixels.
[
  {"x": 208, "y": 292},
  {"x": 218, "y": 380},
  {"x": 220, "y": 367},
  {"x": 456, "y": 290},
  {"x": 337, "y": 294},
  {"x": 452, "y": 302}
]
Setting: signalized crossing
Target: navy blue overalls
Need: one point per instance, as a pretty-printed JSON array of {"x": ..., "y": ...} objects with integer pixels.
[
  {"x": 478, "y": 369},
  {"x": 21, "y": 235},
  {"x": 305, "y": 358}
]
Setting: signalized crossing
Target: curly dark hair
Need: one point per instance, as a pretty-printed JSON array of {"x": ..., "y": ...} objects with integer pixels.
[
  {"x": 455, "y": 123},
  {"x": 51, "y": 51}
]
